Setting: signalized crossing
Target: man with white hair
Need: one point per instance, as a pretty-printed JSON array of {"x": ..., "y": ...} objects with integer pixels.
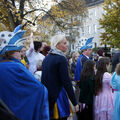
[{"x": 55, "y": 77}]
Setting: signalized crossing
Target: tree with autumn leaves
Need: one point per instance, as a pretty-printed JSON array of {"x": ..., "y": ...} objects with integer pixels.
[
  {"x": 15, "y": 12},
  {"x": 111, "y": 23},
  {"x": 67, "y": 13},
  {"x": 65, "y": 16},
  {"x": 29, "y": 12}
]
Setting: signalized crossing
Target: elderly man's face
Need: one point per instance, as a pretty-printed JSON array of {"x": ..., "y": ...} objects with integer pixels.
[{"x": 63, "y": 45}]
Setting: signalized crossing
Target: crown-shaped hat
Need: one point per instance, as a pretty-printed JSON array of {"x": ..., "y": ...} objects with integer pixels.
[
  {"x": 11, "y": 41},
  {"x": 87, "y": 45}
]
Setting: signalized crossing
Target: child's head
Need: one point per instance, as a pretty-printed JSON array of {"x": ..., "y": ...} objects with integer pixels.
[
  {"x": 103, "y": 64},
  {"x": 45, "y": 50},
  {"x": 117, "y": 69},
  {"x": 75, "y": 56},
  {"x": 102, "y": 67},
  {"x": 88, "y": 70},
  {"x": 101, "y": 52},
  {"x": 37, "y": 45}
]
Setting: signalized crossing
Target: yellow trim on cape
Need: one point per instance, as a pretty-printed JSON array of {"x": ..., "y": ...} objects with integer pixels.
[{"x": 55, "y": 111}]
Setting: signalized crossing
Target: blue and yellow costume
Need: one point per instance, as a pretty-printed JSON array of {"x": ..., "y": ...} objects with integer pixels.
[
  {"x": 82, "y": 59},
  {"x": 22, "y": 93},
  {"x": 25, "y": 62},
  {"x": 25, "y": 96},
  {"x": 56, "y": 78},
  {"x": 62, "y": 108}
]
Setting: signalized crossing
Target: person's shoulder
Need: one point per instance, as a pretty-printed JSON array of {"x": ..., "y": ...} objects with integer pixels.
[
  {"x": 41, "y": 55},
  {"x": 63, "y": 59},
  {"x": 42, "y": 86},
  {"x": 16, "y": 67},
  {"x": 81, "y": 55},
  {"x": 84, "y": 58},
  {"x": 55, "y": 58},
  {"x": 107, "y": 75},
  {"x": 116, "y": 54},
  {"x": 60, "y": 57},
  {"x": 10, "y": 63}
]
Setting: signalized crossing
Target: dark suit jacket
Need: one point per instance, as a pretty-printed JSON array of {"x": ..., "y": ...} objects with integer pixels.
[{"x": 55, "y": 75}]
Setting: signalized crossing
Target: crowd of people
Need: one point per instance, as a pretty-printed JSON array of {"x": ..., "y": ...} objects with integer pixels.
[{"x": 41, "y": 83}]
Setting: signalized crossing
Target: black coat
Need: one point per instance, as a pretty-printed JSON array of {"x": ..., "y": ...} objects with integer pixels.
[
  {"x": 115, "y": 61},
  {"x": 87, "y": 91},
  {"x": 55, "y": 75}
]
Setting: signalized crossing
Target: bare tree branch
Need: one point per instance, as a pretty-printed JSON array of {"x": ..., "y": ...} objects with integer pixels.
[
  {"x": 29, "y": 21},
  {"x": 13, "y": 3},
  {"x": 21, "y": 8},
  {"x": 31, "y": 12}
]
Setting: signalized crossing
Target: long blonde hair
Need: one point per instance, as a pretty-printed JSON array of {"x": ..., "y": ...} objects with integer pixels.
[{"x": 75, "y": 54}]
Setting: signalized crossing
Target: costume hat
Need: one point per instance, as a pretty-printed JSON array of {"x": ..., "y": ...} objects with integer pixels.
[
  {"x": 11, "y": 41},
  {"x": 87, "y": 45}
]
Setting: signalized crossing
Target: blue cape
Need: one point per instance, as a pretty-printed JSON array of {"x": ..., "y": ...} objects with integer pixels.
[
  {"x": 22, "y": 93},
  {"x": 78, "y": 69}
]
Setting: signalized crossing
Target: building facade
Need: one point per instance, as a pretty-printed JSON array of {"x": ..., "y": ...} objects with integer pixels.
[{"x": 90, "y": 26}]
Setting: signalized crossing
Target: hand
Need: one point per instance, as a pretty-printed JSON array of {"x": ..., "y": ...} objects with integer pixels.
[{"x": 77, "y": 108}]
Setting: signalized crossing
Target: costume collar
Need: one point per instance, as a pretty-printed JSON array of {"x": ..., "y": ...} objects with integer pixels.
[{"x": 86, "y": 56}]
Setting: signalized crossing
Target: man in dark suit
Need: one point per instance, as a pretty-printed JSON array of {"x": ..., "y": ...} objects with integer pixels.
[{"x": 86, "y": 53}]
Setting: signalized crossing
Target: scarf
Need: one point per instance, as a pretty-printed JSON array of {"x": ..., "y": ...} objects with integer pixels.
[{"x": 57, "y": 51}]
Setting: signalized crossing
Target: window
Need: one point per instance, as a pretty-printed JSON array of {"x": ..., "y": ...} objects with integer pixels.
[
  {"x": 94, "y": 12},
  {"x": 88, "y": 30},
  {"x": 82, "y": 31},
  {"x": 88, "y": 14},
  {"x": 94, "y": 28}
]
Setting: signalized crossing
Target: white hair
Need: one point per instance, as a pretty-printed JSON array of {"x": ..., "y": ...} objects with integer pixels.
[{"x": 57, "y": 39}]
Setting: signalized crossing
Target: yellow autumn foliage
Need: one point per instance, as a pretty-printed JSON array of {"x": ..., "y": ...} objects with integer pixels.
[{"x": 110, "y": 23}]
